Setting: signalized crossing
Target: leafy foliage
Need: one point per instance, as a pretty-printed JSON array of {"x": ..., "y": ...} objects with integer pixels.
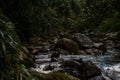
[
  {"x": 11, "y": 53},
  {"x": 33, "y": 17},
  {"x": 110, "y": 25}
]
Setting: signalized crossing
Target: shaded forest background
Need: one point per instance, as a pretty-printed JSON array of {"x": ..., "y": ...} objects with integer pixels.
[
  {"x": 22, "y": 19},
  {"x": 31, "y": 17}
]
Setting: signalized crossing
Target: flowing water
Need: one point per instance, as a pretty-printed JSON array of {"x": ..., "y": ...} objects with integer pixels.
[{"x": 109, "y": 66}]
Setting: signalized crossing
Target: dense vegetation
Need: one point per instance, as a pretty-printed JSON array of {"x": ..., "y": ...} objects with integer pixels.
[
  {"x": 36, "y": 17},
  {"x": 31, "y": 17},
  {"x": 11, "y": 52}
]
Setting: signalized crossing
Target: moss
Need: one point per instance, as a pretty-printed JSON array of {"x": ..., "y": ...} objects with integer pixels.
[
  {"x": 53, "y": 76},
  {"x": 38, "y": 76},
  {"x": 60, "y": 76}
]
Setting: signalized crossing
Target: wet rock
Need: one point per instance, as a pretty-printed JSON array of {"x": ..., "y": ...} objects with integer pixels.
[
  {"x": 68, "y": 45},
  {"x": 101, "y": 46},
  {"x": 81, "y": 69},
  {"x": 62, "y": 51},
  {"x": 49, "y": 67},
  {"x": 55, "y": 55},
  {"x": 89, "y": 70},
  {"x": 82, "y": 52},
  {"x": 116, "y": 57},
  {"x": 97, "y": 37},
  {"x": 117, "y": 46},
  {"x": 43, "y": 47},
  {"x": 99, "y": 78},
  {"x": 93, "y": 51},
  {"x": 112, "y": 36},
  {"x": 83, "y": 40},
  {"x": 97, "y": 45},
  {"x": 112, "y": 40},
  {"x": 109, "y": 44},
  {"x": 71, "y": 64}
]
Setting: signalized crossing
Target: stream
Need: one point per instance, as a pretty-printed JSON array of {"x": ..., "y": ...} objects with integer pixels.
[{"x": 109, "y": 66}]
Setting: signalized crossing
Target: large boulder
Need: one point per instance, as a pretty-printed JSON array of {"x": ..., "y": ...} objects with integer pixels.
[
  {"x": 84, "y": 70},
  {"x": 83, "y": 40},
  {"x": 68, "y": 45},
  {"x": 89, "y": 70}
]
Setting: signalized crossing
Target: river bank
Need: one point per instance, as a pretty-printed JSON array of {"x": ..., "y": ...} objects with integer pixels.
[{"x": 100, "y": 53}]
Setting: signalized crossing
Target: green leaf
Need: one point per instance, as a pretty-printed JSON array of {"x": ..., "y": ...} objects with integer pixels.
[{"x": 9, "y": 25}]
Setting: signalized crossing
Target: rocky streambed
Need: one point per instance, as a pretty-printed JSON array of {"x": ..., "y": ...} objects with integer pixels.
[
  {"x": 109, "y": 68},
  {"x": 81, "y": 56}
]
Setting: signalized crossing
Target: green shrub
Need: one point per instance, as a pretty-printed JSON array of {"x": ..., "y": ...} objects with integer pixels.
[
  {"x": 11, "y": 53},
  {"x": 110, "y": 25}
]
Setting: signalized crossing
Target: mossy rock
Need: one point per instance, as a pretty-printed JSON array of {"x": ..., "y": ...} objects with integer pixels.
[
  {"x": 38, "y": 76},
  {"x": 60, "y": 76},
  {"x": 68, "y": 45},
  {"x": 83, "y": 41}
]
